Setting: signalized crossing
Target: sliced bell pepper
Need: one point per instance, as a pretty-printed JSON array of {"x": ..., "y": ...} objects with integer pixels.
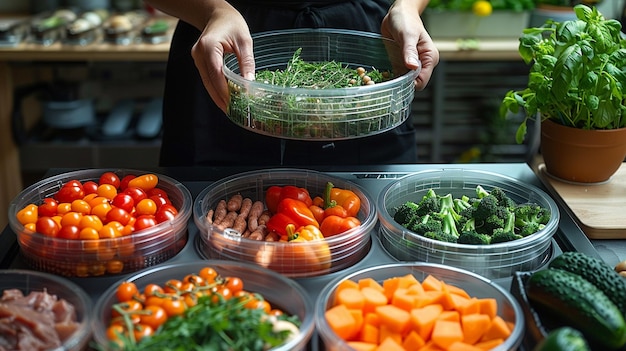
[
  {"x": 274, "y": 194},
  {"x": 291, "y": 211},
  {"x": 345, "y": 198},
  {"x": 333, "y": 225}
]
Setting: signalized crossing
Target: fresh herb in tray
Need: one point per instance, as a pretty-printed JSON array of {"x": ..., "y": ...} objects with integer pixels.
[{"x": 305, "y": 115}]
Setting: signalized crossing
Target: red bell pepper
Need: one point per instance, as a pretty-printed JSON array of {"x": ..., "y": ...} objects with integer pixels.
[
  {"x": 291, "y": 211},
  {"x": 274, "y": 194}
]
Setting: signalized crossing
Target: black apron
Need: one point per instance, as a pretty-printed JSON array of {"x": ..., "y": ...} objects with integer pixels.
[{"x": 197, "y": 133}]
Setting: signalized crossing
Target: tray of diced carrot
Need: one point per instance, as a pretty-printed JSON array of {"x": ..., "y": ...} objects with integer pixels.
[{"x": 418, "y": 306}]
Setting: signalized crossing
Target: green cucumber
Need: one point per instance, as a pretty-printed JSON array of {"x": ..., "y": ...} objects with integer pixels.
[
  {"x": 576, "y": 302},
  {"x": 563, "y": 339},
  {"x": 597, "y": 272}
]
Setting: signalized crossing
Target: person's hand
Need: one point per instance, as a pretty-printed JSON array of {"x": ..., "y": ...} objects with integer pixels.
[
  {"x": 404, "y": 25},
  {"x": 226, "y": 32}
]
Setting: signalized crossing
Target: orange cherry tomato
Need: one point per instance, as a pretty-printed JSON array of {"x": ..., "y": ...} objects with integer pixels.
[
  {"x": 145, "y": 207},
  {"x": 153, "y": 316},
  {"x": 174, "y": 306},
  {"x": 28, "y": 214},
  {"x": 141, "y": 331},
  {"x": 234, "y": 284},
  {"x": 126, "y": 291},
  {"x": 208, "y": 274}
]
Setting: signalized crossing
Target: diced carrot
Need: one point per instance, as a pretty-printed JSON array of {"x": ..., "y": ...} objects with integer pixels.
[
  {"x": 457, "y": 291},
  {"x": 390, "y": 285},
  {"x": 474, "y": 326},
  {"x": 370, "y": 283},
  {"x": 416, "y": 289},
  {"x": 390, "y": 344},
  {"x": 461, "y": 346},
  {"x": 450, "y": 315},
  {"x": 373, "y": 298},
  {"x": 489, "y": 344},
  {"x": 394, "y": 317},
  {"x": 386, "y": 333},
  {"x": 403, "y": 299},
  {"x": 445, "y": 333},
  {"x": 371, "y": 318},
  {"x": 431, "y": 346},
  {"x": 362, "y": 346},
  {"x": 351, "y": 297},
  {"x": 429, "y": 297},
  {"x": 432, "y": 283},
  {"x": 408, "y": 280},
  {"x": 498, "y": 329},
  {"x": 423, "y": 319},
  {"x": 358, "y": 318},
  {"x": 413, "y": 341},
  {"x": 370, "y": 334},
  {"x": 488, "y": 306},
  {"x": 346, "y": 283},
  {"x": 471, "y": 306},
  {"x": 341, "y": 321},
  {"x": 446, "y": 298}
]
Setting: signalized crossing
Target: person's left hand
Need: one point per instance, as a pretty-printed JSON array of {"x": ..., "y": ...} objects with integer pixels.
[{"x": 404, "y": 25}]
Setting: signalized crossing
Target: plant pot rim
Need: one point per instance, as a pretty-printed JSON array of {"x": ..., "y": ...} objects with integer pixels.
[{"x": 582, "y": 129}]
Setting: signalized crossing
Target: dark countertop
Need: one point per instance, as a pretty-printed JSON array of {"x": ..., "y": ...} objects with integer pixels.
[{"x": 569, "y": 237}]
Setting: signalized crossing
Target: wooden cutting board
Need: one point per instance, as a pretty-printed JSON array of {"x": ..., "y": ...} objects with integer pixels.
[{"x": 599, "y": 208}]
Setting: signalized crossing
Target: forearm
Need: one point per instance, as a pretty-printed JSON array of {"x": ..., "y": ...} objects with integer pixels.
[
  {"x": 194, "y": 12},
  {"x": 421, "y": 4}
]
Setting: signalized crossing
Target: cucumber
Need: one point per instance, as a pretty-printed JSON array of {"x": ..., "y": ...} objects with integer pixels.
[
  {"x": 597, "y": 272},
  {"x": 576, "y": 302},
  {"x": 563, "y": 339}
]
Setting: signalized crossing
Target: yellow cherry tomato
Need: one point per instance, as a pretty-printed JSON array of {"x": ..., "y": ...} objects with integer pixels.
[{"x": 145, "y": 182}]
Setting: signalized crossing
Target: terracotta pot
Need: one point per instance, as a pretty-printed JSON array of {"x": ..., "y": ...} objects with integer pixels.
[{"x": 584, "y": 156}]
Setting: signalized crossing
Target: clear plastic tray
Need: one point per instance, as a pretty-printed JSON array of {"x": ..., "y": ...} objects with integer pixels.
[
  {"x": 346, "y": 248},
  {"x": 275, "y": 288},
  {"x": 31, "y": 281},
  {"x": 475, "y": 285},
  {"x": 81, "y": 257},
  {"x": 321, "y": 114},
  {"x": 492, "y": 261}
]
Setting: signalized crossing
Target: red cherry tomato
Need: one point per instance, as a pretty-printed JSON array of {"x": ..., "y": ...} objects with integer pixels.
[
  {"x": 136, "y": 193},
  {"x": 157, "y": 192},
  {"x": 70, "y": 191},
  {"x": 47, "y": 226},
  {"x": 159, "y": 201},
  {"x": 145, "y": 221},
  {"x": 118, "y": 214},
  {"x": 109, "y": 178},
  {"x": 48, "y": 207},
  {"x": 170, "y": 208},
  {"x": 163, "y": 215},
  {"x": 123, "y": 201},
  {"x": 90, "y": 187},
  {"x": 125, "y": 180},
  {"x": 70, "y": 232}
]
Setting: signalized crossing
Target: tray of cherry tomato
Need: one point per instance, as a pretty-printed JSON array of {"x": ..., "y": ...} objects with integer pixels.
[{"x": 100, "y": 221}]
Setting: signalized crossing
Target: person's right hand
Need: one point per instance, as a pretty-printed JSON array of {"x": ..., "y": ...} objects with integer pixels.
[{"x": 226, "y": 31}]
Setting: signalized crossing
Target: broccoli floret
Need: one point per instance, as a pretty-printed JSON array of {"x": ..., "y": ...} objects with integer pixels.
[
  {"x": 429, "y": 203},
  {"x": 481, "y": 192},
  {"x": 507, "y": 232},
  {"x": 448, "y": 231},
  {"x": 503, "y": 199},
  {"x": 530, "y": 218},
  {"x": 447, "y": 207},
  {"x": 500, "y": 236},
  {"x": 441, "y": 236},
  {"x": 405, "y": 213},
  {"x": 469, "y": 235},
  {"x": 427, "y": 223}
]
